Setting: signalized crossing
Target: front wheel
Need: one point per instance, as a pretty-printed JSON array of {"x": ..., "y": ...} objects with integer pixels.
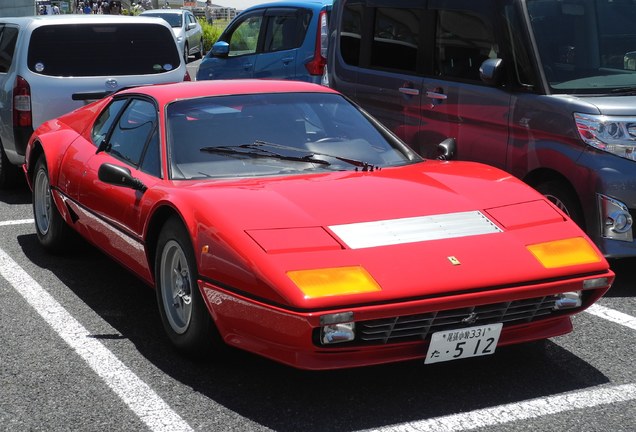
[
  {"x": 199, "y": 54},
  {"x": 183, "y": 312},
  {"x": 51, "y": 229},
  {"x": 186, "y": 53},
  {"x": 564, "y": 197}
]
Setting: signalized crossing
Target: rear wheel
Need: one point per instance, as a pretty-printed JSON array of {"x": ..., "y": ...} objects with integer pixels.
[
  {"x": 564, "y": 197},
  {"x": 52, "y": 231},
  {"x": 183, "y": 312}
]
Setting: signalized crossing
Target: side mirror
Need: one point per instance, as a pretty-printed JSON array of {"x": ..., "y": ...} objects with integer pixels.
[
  {"x": 119, "y": 176},
  {"x": 220, "y": 49},
  {"x": 191, "y": 25},
  {"x": 491, "y": 71},
  {"x": 447, "y": 149}
]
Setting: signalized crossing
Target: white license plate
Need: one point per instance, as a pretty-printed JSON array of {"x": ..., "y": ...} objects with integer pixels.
[{"x": 463, "y": 343}]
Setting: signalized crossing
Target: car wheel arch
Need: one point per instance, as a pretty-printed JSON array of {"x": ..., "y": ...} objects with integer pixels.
[
  {"x": 158, "y": 219},
  {"x": 549, "y": 180}
]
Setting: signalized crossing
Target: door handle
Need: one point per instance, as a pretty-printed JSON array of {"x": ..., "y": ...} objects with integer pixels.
[
  {"x": 286, "y": 60},
  {"x": 435, "y": 95},
  {"x": 409, "y": 91},
  {"x": 248, "y": 66}
]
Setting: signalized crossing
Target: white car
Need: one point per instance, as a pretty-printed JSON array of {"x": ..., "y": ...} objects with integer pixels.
[
  {"x": 185, "y": 27},
  {"x": 53, "y": 64}
]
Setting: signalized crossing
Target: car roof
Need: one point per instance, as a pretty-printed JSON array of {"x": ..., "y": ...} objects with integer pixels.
[
  {"x": 166, "y": 93},
  {"x": 164, "y": 11},
  {"x": 39, "y": 20},
  {"x": 313, "y": 4}
]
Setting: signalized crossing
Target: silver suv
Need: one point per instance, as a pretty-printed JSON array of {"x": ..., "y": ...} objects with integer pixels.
[{"x": 50, "y": 65}]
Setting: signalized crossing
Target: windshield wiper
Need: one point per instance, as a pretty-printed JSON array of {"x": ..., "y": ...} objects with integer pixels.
[
  {"x": 624, "y": 90},
  {"x": 365, "y": 166},
  {"x": 251, "y": 150}
]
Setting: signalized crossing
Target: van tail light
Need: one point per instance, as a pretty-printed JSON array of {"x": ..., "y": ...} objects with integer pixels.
[
  {"x": 22, "y": 103},
  {"x": 316, "y": 65},
  {"x": 187, "y": 77}
]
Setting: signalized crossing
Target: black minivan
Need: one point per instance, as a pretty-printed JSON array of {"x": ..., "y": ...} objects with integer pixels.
[{"x": 545, "y": 89}]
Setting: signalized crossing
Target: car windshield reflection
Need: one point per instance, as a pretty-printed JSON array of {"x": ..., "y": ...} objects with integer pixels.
[{"x": 275, "y": 134}]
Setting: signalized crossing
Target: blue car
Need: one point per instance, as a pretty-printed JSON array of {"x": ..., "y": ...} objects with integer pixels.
[{"x": 282, "y": 40}]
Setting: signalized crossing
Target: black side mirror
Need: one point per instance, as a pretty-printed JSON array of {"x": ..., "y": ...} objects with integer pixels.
[
  {"x": 119, "y": 176},
  {"x": 447, "y": 149},
  {"x": 491, "y": 71}
]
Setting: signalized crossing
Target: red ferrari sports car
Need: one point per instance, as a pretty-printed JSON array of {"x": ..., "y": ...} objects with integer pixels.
[{"x": 279, "y": 218}]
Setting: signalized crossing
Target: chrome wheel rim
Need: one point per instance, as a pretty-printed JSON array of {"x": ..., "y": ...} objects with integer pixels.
[
  {"x": 176, "y": 287},
  {"x": 42, "y": 201}
]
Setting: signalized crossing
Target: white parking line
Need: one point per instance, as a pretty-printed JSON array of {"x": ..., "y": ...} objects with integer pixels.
[
  {"x": 16, "y": 222},
  {"x": 612, "y": 315},
  {"x": 139, "y": 397},
  {"x": 534, "y": 408}
]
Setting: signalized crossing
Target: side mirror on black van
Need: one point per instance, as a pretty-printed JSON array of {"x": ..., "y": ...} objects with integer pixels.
[
  {"x": 447, "y": 149},
  {"x": 491, "y": 71}
]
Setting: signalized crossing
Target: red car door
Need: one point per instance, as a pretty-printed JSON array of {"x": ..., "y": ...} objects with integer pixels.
[{"x": 114, "y": 214}]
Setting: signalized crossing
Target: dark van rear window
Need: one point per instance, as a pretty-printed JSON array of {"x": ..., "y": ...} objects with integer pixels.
[{"x": 102, "y": 49}]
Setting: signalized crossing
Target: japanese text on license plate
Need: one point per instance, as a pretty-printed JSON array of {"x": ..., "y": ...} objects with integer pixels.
[{"x": 463, "y": 343}]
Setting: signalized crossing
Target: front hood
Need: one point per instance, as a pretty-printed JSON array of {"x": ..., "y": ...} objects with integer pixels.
[
  {"x": 427, "y": 229},
  {"x": 618, "y": 105}
]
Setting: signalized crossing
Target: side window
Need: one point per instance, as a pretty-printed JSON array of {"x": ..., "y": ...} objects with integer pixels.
[
  {"x": 151, "y": 161},
  {"x": 395, "y": 39},
  {"x": 244, "y": 38},
  {"x": 286, "y": 30},
  {"x": 351, "y": 33},
  {"x": 133, "y": 131},
  {"x": 524, "y": 71},
  {"x": 105, "y": 121},
  {"x": 8, "y": 38},
  {"x": 463, "y": 41}
]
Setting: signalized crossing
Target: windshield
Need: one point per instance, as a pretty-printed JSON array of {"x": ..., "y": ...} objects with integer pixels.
[
  {"x": 173, "y": 19},
  {"x": 275, "y": 134},
  {"x": 586, "y": 46}
]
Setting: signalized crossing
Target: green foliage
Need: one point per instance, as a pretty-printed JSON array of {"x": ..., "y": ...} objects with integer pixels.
[{"x": 211, "y": 32}]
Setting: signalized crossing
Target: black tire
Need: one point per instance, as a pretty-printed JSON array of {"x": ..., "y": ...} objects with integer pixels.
[
  {"x": 199, "y": 54},
  {"x": 184, "y": 314},
  {"x": 563, "y": 196},
  {"x": 52, "y": 231},
  {"x": 186, "y": 53},
  {"x": 9, "y": 173}
]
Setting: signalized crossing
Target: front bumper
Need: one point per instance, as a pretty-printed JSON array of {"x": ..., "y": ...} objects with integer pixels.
[{"x": 289, "y": 336}]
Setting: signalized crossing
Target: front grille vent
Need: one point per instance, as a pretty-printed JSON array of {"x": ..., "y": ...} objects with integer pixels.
[{"x": 419, "y": 326}]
